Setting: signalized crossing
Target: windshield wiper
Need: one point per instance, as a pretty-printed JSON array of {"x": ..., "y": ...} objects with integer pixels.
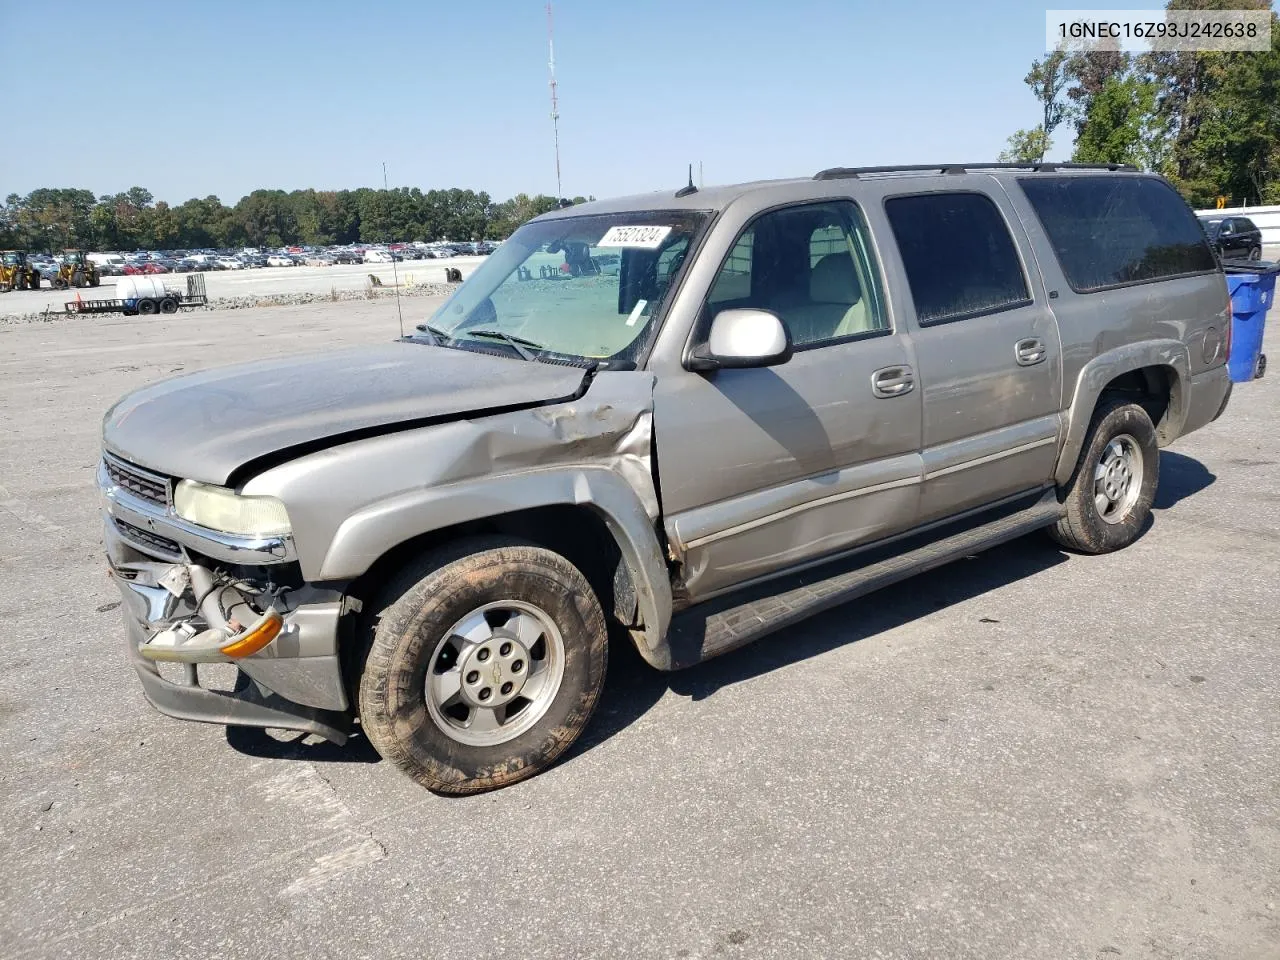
[
  {"x": 518, "y": 344},
  {"x": 438, "y": 336}
]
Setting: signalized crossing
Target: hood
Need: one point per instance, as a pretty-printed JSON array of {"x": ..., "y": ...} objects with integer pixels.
[{"x": 204, "y": 426}]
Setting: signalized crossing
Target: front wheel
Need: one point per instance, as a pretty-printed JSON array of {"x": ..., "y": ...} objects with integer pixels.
[
  {"x": 485, "y": 665},
  {"x": 1109, "y": 499},
  {"x": 147, "y": 307}
]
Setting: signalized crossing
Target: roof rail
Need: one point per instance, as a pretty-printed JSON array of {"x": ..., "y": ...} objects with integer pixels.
[{"x": 844, "y": 173}]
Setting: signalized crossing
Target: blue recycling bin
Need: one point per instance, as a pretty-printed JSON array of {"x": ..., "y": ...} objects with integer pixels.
[{"x": 1251, "y": 296}]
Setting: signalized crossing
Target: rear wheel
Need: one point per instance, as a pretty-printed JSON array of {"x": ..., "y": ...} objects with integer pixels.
[
  {"x": 59, "y": 284},
  {"x": 1109, "y": 499},
  {"x": 485, "y": 665},
  {"x": 1255, "y": 253},
  {"x": 168, "y": 305},
  {"x": 147, "y": 307}
]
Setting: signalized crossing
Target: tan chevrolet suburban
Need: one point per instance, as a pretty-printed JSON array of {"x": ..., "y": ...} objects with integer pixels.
[{"x": 683, "y": 420}]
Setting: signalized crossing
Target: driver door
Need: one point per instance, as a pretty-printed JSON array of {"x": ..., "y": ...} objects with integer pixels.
[{"x": 768, "y": 468}]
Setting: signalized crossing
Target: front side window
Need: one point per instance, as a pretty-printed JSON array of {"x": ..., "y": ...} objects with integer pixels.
[
  {"x": 586, "y": 288},
  {"x": 811, "y": 265},
  {"x": 1109, "y": 231},
  {"x": 958, "y": 254}
]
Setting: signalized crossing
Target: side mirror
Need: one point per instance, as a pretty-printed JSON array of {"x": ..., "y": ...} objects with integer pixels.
[{"x": 743, "y": 338}]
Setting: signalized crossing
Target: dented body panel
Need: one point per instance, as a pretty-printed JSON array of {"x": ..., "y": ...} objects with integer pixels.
[
  {"x": 207, "y": 425},
  {"x": 354, "y": 502}
]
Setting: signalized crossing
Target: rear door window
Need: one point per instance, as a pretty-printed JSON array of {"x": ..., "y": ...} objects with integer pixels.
[
  {"x": 959, "y": 256},
  {"x": 1111, "y": 231}
]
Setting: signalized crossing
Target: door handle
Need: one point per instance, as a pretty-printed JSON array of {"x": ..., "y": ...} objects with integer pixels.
[
  {"x": 1029, "y": 351},
  {"x": 892, "y": 382}
]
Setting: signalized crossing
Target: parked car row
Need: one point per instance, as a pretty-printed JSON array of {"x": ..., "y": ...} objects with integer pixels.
[{"x": 140, "y": 262}]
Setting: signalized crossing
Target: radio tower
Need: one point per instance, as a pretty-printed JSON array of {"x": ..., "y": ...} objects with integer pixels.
[{"x": 555, "y": 105}]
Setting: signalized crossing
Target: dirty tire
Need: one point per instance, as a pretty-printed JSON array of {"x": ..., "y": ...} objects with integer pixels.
[
  {"x": 147, "y": 307},
  {"x": 168, "y": 305},
  {"x": 1082, "y": 528},
  {"x": 412, "y": 621},
  {"x": 1255, "y": 253}
]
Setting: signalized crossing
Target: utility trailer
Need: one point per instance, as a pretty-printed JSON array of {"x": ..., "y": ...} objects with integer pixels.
[{"x": 145, "y": 296}]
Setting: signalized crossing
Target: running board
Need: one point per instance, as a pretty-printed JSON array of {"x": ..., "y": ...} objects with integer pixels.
[{"x": 726, "y": 623}]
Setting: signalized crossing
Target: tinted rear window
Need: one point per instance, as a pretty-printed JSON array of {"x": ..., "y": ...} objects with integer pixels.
[
  {"x": 1111, "y": 231},
  {"x": 959, "y": 257}
]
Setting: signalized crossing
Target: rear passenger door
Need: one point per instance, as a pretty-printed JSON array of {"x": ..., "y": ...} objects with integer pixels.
[{"x": 986, "y": 345}]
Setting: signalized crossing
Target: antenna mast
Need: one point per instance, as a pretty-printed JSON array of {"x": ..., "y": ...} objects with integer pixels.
[
  {"x": 395, "y": 273},
  {"x": 555, "y": 104}
]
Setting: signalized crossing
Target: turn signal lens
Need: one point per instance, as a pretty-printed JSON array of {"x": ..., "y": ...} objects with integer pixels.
[{"x": 258, "y": 636}]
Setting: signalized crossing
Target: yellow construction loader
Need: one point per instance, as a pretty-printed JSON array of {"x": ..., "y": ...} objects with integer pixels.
[
  {"x": 77, "y": 270},
  {"x": 16, "y": 273}
]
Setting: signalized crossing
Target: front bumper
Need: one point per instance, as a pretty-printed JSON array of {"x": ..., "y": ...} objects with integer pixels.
[
  {"x": 250, "y": 704},
  {"x": 294, "y": 683}
]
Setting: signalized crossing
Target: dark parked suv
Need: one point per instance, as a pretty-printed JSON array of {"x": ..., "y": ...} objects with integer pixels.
[
  {"x": 781, "y": 396},
  {"x": 1234, "y": 237}
]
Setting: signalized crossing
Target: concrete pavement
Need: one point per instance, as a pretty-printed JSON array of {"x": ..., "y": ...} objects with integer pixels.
[{"x": 1022, "y": 755}]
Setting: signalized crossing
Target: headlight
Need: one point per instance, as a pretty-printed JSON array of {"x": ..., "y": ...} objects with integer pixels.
[{"x": 221, "y": 509}]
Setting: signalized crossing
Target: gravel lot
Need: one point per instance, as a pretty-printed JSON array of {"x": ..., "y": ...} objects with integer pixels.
[{"x": 1026, "y": 755}]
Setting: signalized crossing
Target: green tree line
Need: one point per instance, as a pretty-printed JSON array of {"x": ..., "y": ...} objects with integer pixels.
[
  {"x": 59, "y": 218},
  {"x": 1210, "y": 122}
]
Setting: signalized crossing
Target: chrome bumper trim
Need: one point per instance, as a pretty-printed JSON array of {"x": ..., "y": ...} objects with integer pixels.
[
  {"x": 301, "y": 665},
  {"x": 229, "y": 548}
]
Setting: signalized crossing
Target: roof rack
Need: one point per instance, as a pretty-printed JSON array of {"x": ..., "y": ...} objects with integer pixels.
[{"x": 845, "y": 173}]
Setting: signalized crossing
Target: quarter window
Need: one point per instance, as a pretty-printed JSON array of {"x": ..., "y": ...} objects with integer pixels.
[
  {"x": 959, "y": 256},
  {"x": 811, "y": 265},
  {"x": 1109, "y": 231}
]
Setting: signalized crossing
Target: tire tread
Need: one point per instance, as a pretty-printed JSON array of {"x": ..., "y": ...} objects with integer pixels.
[
  {"x": 1078, "y": 529},
  {"x": 406, "y": 601}
]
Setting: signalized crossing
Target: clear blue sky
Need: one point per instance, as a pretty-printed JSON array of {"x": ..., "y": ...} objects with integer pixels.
[{"x": 197, "y": 98}]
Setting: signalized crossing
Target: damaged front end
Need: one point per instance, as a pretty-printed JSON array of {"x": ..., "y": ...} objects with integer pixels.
[{"x": 189, "y": 599}]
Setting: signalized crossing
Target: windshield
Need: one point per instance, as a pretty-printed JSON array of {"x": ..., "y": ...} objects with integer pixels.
[{"x": 584, "y": 287}]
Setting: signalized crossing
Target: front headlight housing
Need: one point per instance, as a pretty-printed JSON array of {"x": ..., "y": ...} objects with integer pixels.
[{"x": 219, "y": 508}]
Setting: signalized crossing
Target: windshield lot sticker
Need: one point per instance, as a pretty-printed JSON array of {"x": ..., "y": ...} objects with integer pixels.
[
  {"x": 635, "y": 314},
  {"x": 643, "y": 238}
]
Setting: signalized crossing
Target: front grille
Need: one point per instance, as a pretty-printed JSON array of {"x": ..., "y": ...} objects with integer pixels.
[
  {"x": 147, "y": 538},
  {"x": 144, "y": 486}
]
